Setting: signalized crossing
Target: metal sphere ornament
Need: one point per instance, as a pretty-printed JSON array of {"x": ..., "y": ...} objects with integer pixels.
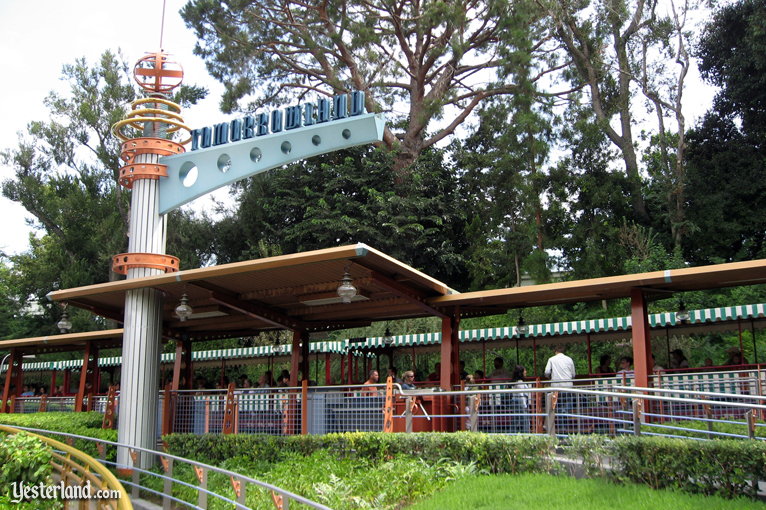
[{"x": 156, "y": 74}]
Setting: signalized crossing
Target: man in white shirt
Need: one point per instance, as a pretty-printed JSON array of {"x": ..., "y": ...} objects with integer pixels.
[{"x": 560, "y": 368}]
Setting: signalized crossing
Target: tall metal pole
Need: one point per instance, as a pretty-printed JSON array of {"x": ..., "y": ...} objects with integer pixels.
[{"x": 152, "y": 119}]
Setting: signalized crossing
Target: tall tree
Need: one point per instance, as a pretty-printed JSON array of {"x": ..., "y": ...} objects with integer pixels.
[
  {"x": 427, "y": 64},
  {"x": 618, "y": 49},
  {"x": 732, "y": 57},
  {"x": 727, "y": 153}
]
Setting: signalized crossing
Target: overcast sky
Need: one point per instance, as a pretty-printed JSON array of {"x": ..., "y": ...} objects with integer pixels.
[{"x": 37, "y": 37}]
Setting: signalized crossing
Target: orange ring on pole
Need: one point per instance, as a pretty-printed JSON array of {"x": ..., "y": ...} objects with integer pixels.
[
  {"x": 135, "y": 146},
  {"x": 134, "y": 172},
  {"x": 124, "y": 261}
]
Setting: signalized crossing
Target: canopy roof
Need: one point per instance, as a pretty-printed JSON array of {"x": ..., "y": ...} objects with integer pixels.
[
  {"x": 298, "y": 292},
  {"x": 656, "y": 284},
  {"x": 700, "y": 321}
]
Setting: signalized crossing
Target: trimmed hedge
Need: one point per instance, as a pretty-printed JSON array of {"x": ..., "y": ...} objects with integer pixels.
[
  {"x": 82, "y": 424},
  {"x": 728, "y": 468},
  {"x": 494, "y": 454}
]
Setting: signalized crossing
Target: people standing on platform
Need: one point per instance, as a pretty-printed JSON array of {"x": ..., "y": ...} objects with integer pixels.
[
  {"x": 408, "y": 383},
  {"x": 656, "y": 367},
  {"x": 735, "y": 357},
  {"x": 605, "y": 365},
  {"x": 435, "y": 376},
  {"x": 626, "y": 367},
  {"x": 463, "y": 373},
  {"x": 369, "y": 388},
  {"x": 560, "y": 370},
  {"x": 499, "y": 373},
  {"x": 478, "y": 376},
  {"x": 678, "y": 360},
  {"x": 392, "y": 374},
  {"x": 520, "y": 401}
]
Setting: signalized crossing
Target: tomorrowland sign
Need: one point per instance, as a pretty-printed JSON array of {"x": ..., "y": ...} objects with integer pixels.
[{"x": 229, "y": 151}]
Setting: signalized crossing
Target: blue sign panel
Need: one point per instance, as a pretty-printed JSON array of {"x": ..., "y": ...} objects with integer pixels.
[{"x": 231, "y": 151}]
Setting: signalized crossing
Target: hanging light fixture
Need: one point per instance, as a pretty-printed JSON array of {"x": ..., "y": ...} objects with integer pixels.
[
  {"x": 183, "y": 310},
  {"x": 346, "y": 289},
  {"x": 682, "y": 314},
  {"x": 388, "y": 339},
  {"x": 64, "y": 324},
  {"x": 521, "y": 326}
]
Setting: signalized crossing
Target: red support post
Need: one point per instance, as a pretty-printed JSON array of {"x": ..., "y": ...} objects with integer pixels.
[
  {"x": 450, "y": 352},
  {"x": 327, "y": 371},
  {"x": 8, "y": 377},
  {"x": 52, "y": 388},
  {"x": 78, "y": 404},
  {"x": 642, "y": 345}
]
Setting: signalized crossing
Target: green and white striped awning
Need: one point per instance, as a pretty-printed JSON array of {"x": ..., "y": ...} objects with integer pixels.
[{"x": 657, "y": 321}]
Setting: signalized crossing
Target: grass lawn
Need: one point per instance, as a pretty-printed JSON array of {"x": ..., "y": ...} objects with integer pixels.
[{"x": 548, "y": 492}]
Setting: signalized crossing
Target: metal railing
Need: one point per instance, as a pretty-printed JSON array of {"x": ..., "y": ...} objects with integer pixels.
[
  {"x": 140, "y": 479},
  {"x": 75, "y": 467},
  {"x": 598, "y": 405}
]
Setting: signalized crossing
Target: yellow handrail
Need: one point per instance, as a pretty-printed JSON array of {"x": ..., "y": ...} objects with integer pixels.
[{"x": 108, "y": 480}]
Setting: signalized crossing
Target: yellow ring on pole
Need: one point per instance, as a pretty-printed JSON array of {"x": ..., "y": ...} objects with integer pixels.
[
  {"x": 138, "y": 123},
  {"x": 117, "y": 127},
  {"x": 156, "y": 100},
  {"x": 154, "y": 111}
]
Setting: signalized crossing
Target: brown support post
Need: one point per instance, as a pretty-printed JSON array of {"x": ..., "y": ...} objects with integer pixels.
[
  {"x": 342, "y": 368},
  {"x": 52, "y": 388},
  {"x": 327, "y": 372},
  {"x": 67, "y": 383},
  {"x": 450, "y": 353},
  {"x": 167, "y": 410},
  {"x": 642, "y": 345},
  {"x": 78, "y": 407},
  {"x": 8, "y": 377}
]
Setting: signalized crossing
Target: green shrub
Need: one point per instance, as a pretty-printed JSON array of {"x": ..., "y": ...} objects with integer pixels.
[
  {"x": 24, "y": 458},
  {"x": 81, "y": 424},
  {"x": 494, "y": 454},
  {"x": 728, "y": 468}
]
